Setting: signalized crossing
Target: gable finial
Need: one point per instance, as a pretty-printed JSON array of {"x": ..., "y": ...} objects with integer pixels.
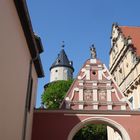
[
  {"x": 93, "y": 52},
  {"x": 63, "y": 45}
]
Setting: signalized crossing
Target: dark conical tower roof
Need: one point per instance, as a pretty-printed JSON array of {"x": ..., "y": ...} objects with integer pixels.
[{"x": 62, "y": 61}]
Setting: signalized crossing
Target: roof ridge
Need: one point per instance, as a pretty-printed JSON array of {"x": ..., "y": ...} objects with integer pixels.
[{"x": 130, "y": 26}]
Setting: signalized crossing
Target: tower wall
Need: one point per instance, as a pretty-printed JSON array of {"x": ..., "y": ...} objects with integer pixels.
[{"x": 61, "y": 73}]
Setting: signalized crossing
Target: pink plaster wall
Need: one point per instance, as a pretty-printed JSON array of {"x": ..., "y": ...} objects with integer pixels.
[
  {"x": 14, "y": 70},
  {"x": 58, "y": 124}
]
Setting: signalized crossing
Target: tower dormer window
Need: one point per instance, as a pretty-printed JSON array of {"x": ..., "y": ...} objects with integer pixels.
[{"x": 58, "y": 61}]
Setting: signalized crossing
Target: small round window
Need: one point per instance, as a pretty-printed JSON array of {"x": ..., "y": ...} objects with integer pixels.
[
  {"x": 94, "y": 72},
  {"x": 56, "y": 70}
]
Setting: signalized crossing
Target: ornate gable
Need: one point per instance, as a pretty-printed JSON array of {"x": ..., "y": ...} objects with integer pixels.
[{"x": 94, "y": 89}]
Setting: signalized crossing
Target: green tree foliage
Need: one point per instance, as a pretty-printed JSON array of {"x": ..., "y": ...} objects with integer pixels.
[
  {"x": 54, "y": 93},
  {"x": 92, "y": 132}
]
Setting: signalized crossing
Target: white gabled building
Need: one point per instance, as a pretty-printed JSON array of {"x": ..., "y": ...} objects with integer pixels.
[{"x": 125, "y": 61}]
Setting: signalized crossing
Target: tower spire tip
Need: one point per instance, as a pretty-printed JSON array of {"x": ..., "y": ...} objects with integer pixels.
[{"x": 63, "y": 44}]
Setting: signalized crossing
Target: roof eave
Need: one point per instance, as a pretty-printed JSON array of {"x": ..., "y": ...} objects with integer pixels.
[
  {"x": 39, "y": 43},
  {"x": 61, "y": 66},
  {"x": 39, "y": 68},
  {"x": 33, "y": 46}
]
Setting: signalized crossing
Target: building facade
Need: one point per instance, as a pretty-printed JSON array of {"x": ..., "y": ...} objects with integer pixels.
[
  {"x": 125, "y": 61},
  {"x": 94, "y": 89},
  {"x": 62, "y": 68},
  {"x": 20, "y": 68},
  {"x": 93, "y": 98}
]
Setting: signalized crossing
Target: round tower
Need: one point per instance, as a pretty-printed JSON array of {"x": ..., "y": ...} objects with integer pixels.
[{"x": 62, "y": 68}]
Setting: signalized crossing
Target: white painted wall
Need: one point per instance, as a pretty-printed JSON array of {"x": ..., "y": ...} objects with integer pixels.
[
  {"x": 112, "y": 134},
  {"x": 60, "y": 73},
  {"x": 126, "y": 64}
]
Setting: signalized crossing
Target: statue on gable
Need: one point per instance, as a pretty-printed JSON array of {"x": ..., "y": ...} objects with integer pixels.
[{"x": 93, "y": 52}]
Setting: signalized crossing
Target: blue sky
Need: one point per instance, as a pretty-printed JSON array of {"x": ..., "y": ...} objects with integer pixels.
[{"x": 79, "y": 23}]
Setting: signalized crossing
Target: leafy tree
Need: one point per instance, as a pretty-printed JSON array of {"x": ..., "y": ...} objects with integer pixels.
[
  {"x": 54, "y": 93},
  {"x": 92, "y": 132}
]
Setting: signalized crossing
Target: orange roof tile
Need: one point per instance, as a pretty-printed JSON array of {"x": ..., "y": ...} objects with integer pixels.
[{"x": 134, "y": 33}]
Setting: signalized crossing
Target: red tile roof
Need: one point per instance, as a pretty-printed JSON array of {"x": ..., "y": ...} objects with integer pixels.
[{"x": 134, "y": 33}]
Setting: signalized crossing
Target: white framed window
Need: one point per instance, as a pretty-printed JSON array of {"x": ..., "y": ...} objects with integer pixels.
[{"x": 131, "y": 100}]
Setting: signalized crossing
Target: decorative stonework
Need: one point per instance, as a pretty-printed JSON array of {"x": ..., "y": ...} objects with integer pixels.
[
  {"x": 102, "y": 95},
  {"x": 93, "y": 52},
  {"x": 123, "y": 132},
  {"x": 96, "y": 90},
  {"x": 124, "y": 60},
  {"x": 88, "y": 95}
]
